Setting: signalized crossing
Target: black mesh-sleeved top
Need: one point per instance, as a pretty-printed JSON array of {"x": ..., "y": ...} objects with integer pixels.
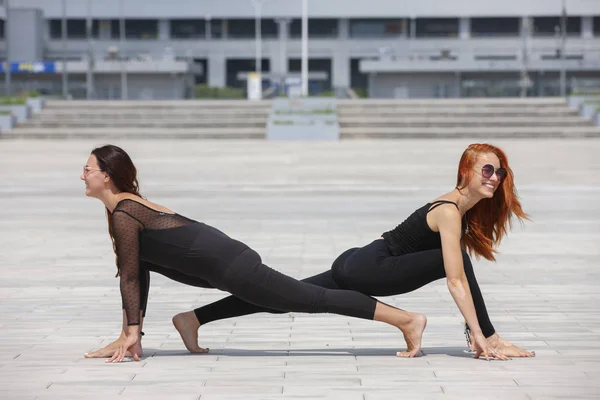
[{"x": 162, "y": 240}]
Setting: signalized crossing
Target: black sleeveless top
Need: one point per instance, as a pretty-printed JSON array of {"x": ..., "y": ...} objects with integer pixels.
[{"x": 413, "y": 234}]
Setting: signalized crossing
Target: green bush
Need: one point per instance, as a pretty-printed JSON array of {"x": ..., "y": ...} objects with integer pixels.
[
  {"x": 584, "y": 93},
  {"x": 362, "y": 93},
  {"x": 204, "y": 91},
  {"x": 5, "y": 112},
  {"x": 12, "y": 101}
]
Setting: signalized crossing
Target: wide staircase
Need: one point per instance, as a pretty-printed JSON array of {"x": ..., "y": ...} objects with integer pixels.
[
  {"x": 228, "y": 119},
  {"x": 451, "y": 118},
  {"x": 367, "y": 118}
]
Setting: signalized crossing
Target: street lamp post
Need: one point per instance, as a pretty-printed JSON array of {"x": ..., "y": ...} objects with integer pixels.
[
  {"x": 63, "y": 31},
  {"x": 563, "y": 32},
  {"x": 304, "y": 73},
  {"x": 7, "y": 71},
  {"x": 121, "y": 50},
  {"x": 90, "y": 65},
  {"x": 525, "y": 31},
  {"x": 258, "y": 36}
]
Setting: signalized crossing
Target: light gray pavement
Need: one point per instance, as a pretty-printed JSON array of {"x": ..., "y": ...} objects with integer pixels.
[{"x": 299, "y": 205}]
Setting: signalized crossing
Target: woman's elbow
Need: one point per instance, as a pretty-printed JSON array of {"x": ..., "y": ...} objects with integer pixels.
[{"x": 455, "y": 282}]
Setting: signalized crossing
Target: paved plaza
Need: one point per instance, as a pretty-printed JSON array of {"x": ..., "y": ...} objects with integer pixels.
[{"x": 299, "y": 205}]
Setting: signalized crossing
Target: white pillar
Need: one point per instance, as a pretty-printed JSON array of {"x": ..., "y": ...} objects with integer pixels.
[
  {"x": 343, "y": 28},
  {"x": 587, "y": 27},
  {"x": 208, "y": 27},
  {"x": 464, "y": 30},
  {"x": 340, "y": 69},
  {"x": 283, "y": 34},
  {"x": 164, "y": 29},
  {"x": 216, "y": 70},
  {"x": 304, "y": 48}
]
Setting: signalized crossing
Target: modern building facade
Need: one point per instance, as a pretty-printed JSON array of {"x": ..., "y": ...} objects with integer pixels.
[{"x": 388, "y": 48}]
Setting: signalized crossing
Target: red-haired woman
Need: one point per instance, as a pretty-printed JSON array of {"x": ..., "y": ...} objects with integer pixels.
[{"x": 432, "y": 243}]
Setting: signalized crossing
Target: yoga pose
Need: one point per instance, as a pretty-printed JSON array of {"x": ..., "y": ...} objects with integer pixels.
[
  {"x": 432, "y": 243},
  {"x": 150, "y": 237}
]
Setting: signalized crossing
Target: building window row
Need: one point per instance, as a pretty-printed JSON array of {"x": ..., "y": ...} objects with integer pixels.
[{"x": 318, "y": 28}]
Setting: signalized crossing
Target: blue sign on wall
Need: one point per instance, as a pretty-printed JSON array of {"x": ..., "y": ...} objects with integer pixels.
[{"x": 36, "y": 67}]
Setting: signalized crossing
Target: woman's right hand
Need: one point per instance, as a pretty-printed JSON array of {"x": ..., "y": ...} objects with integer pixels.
[
  {"x": 482, "y": 347},
  {"x": 109, "y": 350}
]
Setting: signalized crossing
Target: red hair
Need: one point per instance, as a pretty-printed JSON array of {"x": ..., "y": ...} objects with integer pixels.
[{"x": 487, "y": 221}]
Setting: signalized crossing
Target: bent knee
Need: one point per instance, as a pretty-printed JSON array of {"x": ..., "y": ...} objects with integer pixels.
[{"x": 338, "y": 270}]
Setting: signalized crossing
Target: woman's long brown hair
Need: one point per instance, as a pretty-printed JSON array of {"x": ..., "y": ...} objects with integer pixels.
[
  {"x": 115, "y": 162},
  {"x": 488, "y": 221}
]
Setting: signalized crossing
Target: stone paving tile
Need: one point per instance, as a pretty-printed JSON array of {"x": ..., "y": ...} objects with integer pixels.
[{"x": 299, "y": 205}]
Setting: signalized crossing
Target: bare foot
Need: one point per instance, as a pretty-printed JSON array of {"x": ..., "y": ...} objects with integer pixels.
[
  {"x": 187, "y": 325},
  {"x": 508, "y": 349},
  {"x": 109, "y": 350},
  {"x": 413, "y": 333}
]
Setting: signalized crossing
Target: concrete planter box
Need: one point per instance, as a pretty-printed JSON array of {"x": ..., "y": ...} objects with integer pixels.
[
  {"x": 7, "y": 122},
  {"x": 575, "y": 102},
  {"x": 588, "y": 111},
  {"x": 303, "y": 119},
  {"x": 22, "y": 112},
  {"x": 36, "y": 104}
]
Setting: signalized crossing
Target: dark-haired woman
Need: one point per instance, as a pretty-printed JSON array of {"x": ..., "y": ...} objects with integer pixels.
[{"x": 150, "y": 237}]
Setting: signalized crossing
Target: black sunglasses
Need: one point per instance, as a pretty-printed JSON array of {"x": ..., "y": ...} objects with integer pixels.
[{"x": 488, "y": 170}]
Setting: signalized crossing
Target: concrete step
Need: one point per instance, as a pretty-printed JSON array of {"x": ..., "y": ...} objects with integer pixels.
[
  {"x": 451, "y": 111},
  {"x": 435, "y": 121},
  {"x": 144, "y": 123},
  {"x": 477, "y": 102},
  {"x": 158, "y": 104},
  {"x": 137, "y": 133},
  {"x": 493, "y": 132},
  {"x": 124, "y": 114}
]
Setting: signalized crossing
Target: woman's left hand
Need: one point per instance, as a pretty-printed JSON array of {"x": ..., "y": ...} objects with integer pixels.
[{"x": 129, "y": 343}]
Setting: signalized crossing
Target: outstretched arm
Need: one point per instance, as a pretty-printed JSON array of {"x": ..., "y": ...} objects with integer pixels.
[
  {"x": 110, "y": 349},
  {"x": 126, "y": 231},
  {"x": 449, "y": 225}
]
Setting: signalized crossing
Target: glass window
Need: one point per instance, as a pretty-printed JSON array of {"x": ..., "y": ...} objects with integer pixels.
[
  {"x": 317, "y": 28},
  {"x": 2, "y": 28},
  {"x": 188, "y": 28},
  {"x": 550, "y": 26},
  {"x": 246, "y": 28},
  {"x": 376, "y": 28},
  {"x": 76, "y": 28},
  {"x": 596, "y": 26},
  {"x": 358, "y": 80},
  {"x": 240, "y": 28},
  {"x": 216, "y": 28},
  {"x": 141, "y": 28},
  {"x": 495, "y": 27},
  {"x": 437, "y": 27},
  {"x": 115, "y": 29}
]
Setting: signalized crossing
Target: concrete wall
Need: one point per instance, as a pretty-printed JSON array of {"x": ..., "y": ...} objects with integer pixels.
[
  {"x": 26, "y": 33},
  {"x": 322, "y": 8},
  {"x": 413, "y": 85},
  {"x": 141, "y": 86}
]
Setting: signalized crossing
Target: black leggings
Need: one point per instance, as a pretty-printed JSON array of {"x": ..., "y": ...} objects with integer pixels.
[
  {"x": 371, "y": 270},
  {"x": 256, "y": 285}
]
